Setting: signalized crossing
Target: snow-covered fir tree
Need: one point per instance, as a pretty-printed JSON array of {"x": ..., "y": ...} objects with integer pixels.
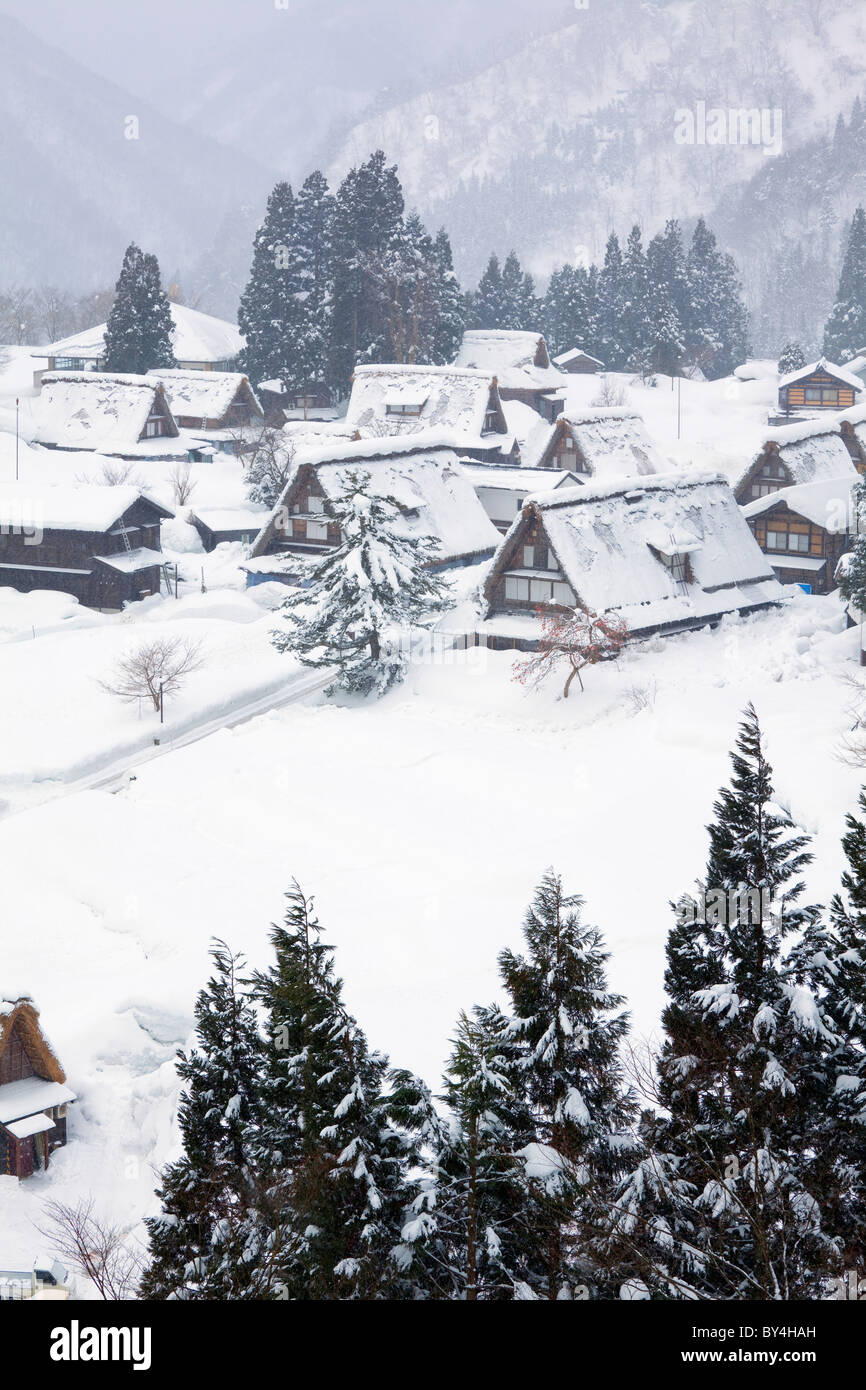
[
  {"x": 312, "y": 231},
  {"x": 716, "y": 322},
  {"x": 665, "y": 299},
  {"x": 270, "y": 464},
  {"x": 636, "y": 326},
  {"x": 269, "y": 310},
  {"x": 197, "y": 1242},
  {"x": 451, "y": 311},
  {"x": 367, "y": 227},
  {"x": 486, "y": 306},
  {"x": 568, "y": 1027},
  {"x": 520, "y": 308},
  {"x": 791, "y": 359},
  {"x": 852, "y": 574},
  {"x": 469, "y": 1232},
  {"x": 138, "y": 336},
  {"x": 613, "y": 347},
  {"x": 333, "y": 1163},
  {"x": 731, "y": 1201},
  {"x": 845, "y": 331},
  {"x": 361, "y": 597}
]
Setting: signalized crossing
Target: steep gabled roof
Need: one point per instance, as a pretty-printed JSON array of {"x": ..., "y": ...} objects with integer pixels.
[
  {"x": 422, "y": 473},
  {"x": 822, "y": 365},
  {"x": 447, "y": 398},
  {"x": 810, "y": 451},
  {"x": 205, "y": 395},
  {"x": 98, "y": 411},
  {"x": 609, "y": 541},
  {"x": 22, "y": 1015},
  {"x": 525, "y": 480},
  {"x": 518, "y": 359},
  {"x": 196, "y": 337},
  {"x": 611, "y": 441}
]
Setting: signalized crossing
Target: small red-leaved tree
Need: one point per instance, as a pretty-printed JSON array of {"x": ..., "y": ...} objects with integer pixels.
[{"x": 576, "y": 637}]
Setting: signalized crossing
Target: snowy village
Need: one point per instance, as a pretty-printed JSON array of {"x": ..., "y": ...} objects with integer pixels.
[{"x": 433, "y": 740}]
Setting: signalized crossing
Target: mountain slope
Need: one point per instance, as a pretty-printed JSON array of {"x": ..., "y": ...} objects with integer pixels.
[{"x": 76, "y": 190}]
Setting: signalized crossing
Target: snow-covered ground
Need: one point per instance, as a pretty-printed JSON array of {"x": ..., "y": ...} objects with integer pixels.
[{"x": 421, "y": 823}]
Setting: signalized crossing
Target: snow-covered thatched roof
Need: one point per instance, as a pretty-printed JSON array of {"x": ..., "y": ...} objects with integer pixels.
[
  {"x": 205, "y": 395},
  {"x": 68, "y": 507},
  {"x": 445, "y": 398},
  {"x": 609, "y": 442},
  {"x": 828, "y": 503},
  {"x": 196, "y": 337},
  {"x": 94, "y": 410},
  {"x": 519, "y": 360},
  {"x": 822, "y": 365},
  {"x": 811, "y": 451},
  {"x": 611, "y": 540},
  {"x": 422, "y": 474}
]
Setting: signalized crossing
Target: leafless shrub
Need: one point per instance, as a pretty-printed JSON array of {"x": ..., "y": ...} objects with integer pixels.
[
  {"x": 610, "y": 392},
  {"x": 93, "y": 1247},
  {"x": 270, "y": 463},
  {"x": 163, "y": 663},
  {"x": 182, "y": 483},
  {"x": 114, "y": 473},
  {"x": 641, "y": 697}
]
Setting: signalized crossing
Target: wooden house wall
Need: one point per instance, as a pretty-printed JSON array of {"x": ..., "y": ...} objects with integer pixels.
[
  {"x": 854, "y": 445},
  {"x": 822, "y": 544},
  {"x": 835, "y": 395},
  {"x": 580, "y": 367},
  {"x": 97, "y": 586},
  {"x": 543, "y": 564},
  {"x": 15, "y": 1063}
]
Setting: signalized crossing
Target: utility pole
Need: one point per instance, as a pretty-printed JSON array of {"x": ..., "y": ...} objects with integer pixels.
[
  {"x": 16, "y": 439},
  {"x": 161, "y": 703},
  {"x": 679, "y": 406}
]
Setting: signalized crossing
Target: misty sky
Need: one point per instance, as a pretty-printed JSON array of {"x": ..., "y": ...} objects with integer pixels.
[{"x": 147, "y": 47}]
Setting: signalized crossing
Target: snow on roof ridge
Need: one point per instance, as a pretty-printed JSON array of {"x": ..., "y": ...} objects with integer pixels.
[
  {"x": 421, "y": 369},
  {"x": 32, "y": 502},
  {"x": 592, "y": 413},
  {"x": 101, "y": 378},
  {"x": 385, "y": 446},
  {"x": 643, "y": 482},
  {"x": 806, "y": 429}
]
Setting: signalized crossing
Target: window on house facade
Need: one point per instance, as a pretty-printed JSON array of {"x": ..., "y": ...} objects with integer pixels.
[
  {"x": 402, "y": 408},
  {"x": 154, "y": 427},
  {"x": 778, "y": 539},
  {"x": 317, "y": 531},
  {"x": 528, "y": 557}
]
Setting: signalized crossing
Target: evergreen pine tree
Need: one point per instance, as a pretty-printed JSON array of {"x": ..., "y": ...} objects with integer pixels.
[
  {"x": 845, "y": 331},
  {"x": 367, "y": 226},
  {"x": 612, "y": 347},
  {"x": 333, "y": 1163},
  {"x": 138, "y": 335},
  {"x": 791, "y": 359},
  {"x": 311, "y": 241},
  {"x": 269, "y": 311},
  {"x": 568, "y": 1028},
  {"x": 716, "y": 322},
  {"x": 196, "y": 1243},
  {"x": 360, "y": 595},
  {"x": 852, "y": 576},
  {"x": 488, "y": 301},
  {"x": 451, "y": 316},
  {"x": 470, "y": 1228},
  {"x": 636, "y": 325},
  {"x": 664, "y": 337},
  {"x": 744, "y": 1066}
]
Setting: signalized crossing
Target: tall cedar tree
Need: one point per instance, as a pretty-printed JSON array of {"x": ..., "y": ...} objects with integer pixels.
[
  {"x": 363, "y": 594},
  {"x": 269, "y": 311},
  {"x": 568, "y": 1028},
  {"x": 852, "y": 577},
  {"x": 845, "y": 331},
  {"x": 487, "y": 305},
  {"x": 469, "y": 1231},
  {"x": 138, "y": 336},
  {"x": 845, "y": 982},
  {"x": 368, "y": 222},
  {"x": 740, "y": 1207},
  {"x": 334, "y": 1164},
  {"x": 791, "y": 359},
  {"x": 613, "y": 347},
  {"x": 716, "y": 323},
  {"x": 196, "y": 1243},
  {"x": 451, "y": 319},
  {"x": 312, "y": 237}
]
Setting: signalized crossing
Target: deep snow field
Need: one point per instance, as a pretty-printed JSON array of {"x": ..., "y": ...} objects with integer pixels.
[{"x": 421, "y": 823}]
